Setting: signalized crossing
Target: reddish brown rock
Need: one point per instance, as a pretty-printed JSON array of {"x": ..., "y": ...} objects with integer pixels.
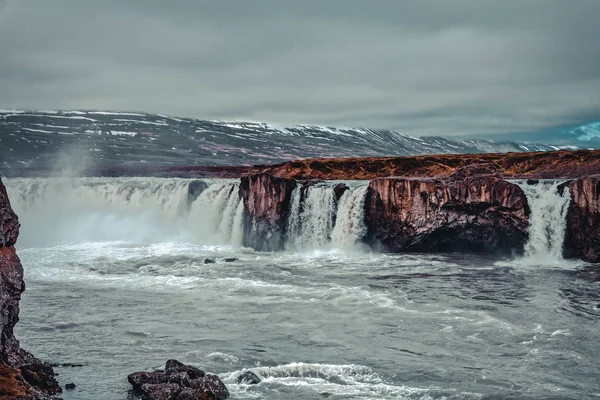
[
  {"x": 267, "y": 206},
  {"x": 462, "y": 213},
  {"x": 24, "y": 376},
  {"x": 582, "y": 239},
  {"x": 178, "y": 382}
]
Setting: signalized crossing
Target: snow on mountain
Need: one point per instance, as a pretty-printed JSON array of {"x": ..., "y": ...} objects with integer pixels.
[{"x": 39, "y": 139}]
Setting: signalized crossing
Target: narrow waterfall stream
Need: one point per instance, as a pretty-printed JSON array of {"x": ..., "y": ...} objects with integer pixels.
[{"x": 547, "y": 222}]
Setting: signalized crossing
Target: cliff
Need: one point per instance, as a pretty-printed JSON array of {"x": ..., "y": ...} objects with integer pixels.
[
  {"x": 461, "y": 213},
  {"x": 582, "y": 239},
  {"x": 22, "y": 376},
  {"x": 267, "y": 206}
]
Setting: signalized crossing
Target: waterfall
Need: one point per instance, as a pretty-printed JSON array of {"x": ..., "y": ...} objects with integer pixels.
[
  {"x": 75, "y": 210},
  {"x": 310, "y": 227},
  {"x": 547, "y": 221},
  {"x": 216, "y": 216},
  {"x": 311, "y": 219},
  {"x": 350, "y": 222}
]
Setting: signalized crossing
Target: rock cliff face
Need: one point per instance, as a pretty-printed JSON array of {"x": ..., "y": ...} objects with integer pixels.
[
  {"x": 582, "y": 239},
  {"x": 461, "y": 213},
  {"x": 267, "y": 206},
  {"x": 22, "y": 375}
]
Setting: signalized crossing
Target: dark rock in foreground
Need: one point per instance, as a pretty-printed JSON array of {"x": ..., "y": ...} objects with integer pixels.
[
  {"x": 22, "y": 376},
  {"x": 178, "y": 382},
  {"x": 582, "y": 239},
  {"x": 466, "y": 212}
]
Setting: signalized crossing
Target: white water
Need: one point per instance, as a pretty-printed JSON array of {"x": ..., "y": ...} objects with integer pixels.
[
  {"x": 350, "y": 222},
  {"x": 547, "y": 222},
  {"x": 311, "y": 222},
  {"x": 62, "y": 211}
]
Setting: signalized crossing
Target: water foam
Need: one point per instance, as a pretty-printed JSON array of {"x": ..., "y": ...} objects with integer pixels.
[
  {"x": 138, "y": 210},
  {"x": 547, "y": 222}
]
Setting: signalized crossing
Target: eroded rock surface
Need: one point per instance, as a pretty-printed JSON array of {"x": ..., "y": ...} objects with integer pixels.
[
  {"x": 582, "y": 239},
  {"x": 466, "y": 212},
  {"x": 178, "y": 382},
  {"x": 23, "y": 375},
  {"x": 267, "y": 205}
]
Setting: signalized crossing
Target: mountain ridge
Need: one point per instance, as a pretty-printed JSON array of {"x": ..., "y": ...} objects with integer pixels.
[{"x": 48, "y": 138}]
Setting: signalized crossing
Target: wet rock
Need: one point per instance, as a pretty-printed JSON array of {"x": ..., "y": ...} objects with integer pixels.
[
  {"x": 209, "y": 261},
  {"x": 533, "y": 181},
  {"x": 70, "y": 386},
  {"x": 469, "y": 213},
  {"x": 195, "y": 189},
  {"x": 22, "y": 375},
  {"x": 174, "y": 366},
  {"x": 193, "y": 394},
  {"x": 230, "y": 259},
  {"x": 266, "y": 209},
  {"x": 178, "y": 381},
  {"x": 582, "y": 238},
  {"x": 211, "y": 384},
  {"x": 165, "y": 391},
  {"x": 249, "y": 378},
  {"x": 339, "y": 190}
]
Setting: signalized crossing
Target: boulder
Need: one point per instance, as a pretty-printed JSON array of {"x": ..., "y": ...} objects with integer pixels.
[{"x": 178, "y": 382}]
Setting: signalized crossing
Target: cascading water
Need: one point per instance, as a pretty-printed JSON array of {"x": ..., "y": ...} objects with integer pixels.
[
  {"x": 59, "y": 211},
  {"x": 350, "y": 222},
  {"x": 547, "y": 222},
  {"x": 311, "y": 221},
  {"x": 217, "y": 215}
]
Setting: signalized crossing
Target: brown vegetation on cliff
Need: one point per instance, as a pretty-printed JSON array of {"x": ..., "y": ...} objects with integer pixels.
[{"x": 556, "y": 164}]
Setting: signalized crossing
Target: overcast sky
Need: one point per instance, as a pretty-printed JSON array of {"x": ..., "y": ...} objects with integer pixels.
[{"x": 466, "y": 67}]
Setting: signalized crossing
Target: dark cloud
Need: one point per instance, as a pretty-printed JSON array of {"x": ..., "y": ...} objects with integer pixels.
[{"x": 436, "y": 67}]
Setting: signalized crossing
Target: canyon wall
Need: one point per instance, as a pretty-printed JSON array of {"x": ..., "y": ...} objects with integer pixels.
[
  {"x": 22, "y": 376},
  {"x": 582, "y": 239}
]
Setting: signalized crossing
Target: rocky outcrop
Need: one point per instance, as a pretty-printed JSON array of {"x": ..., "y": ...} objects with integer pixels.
[
  {"x": 23, "y": 375},
  {"x": 266, "y": 209},
  {"x": 178, "y": 382},
  {"x": 466, "y": 212},
  {"x": 582, "y": 239}
]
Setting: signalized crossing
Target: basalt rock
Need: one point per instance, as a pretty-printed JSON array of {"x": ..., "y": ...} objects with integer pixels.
[
  {"x": 582, "y": 238},
  {"x": 22, "y": 375},
  {"x": 465, "y": 212},
  {"x": 266, "y": 208},
  {"x": 195, "y": 189},
  {"x": 178, "y": 382}
]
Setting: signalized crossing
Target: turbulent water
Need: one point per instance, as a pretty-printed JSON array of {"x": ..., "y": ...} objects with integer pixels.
[{"x": 117, "y": 281}]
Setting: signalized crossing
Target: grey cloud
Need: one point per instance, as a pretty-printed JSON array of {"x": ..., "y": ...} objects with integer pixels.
[{"x": 437, "y": 67}]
